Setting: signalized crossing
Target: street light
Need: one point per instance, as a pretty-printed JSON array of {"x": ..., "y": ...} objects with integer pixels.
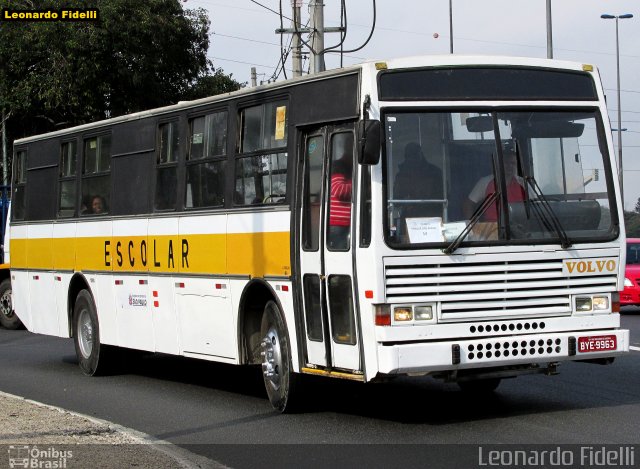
[{"x": 621, "y": 176}]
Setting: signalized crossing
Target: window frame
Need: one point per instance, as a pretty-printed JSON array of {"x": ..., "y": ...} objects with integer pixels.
[
  {"x": 206, "y": 158},
  {"x": 62, "y": 178},
  {"x": 84, "y": 176},
  {"x": 263, "y": 151},
  {"x": 160, "y": 165},
  {"x": 19, "y": 183}
]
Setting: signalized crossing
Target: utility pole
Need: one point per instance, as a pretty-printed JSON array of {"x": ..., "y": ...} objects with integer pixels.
[
  {"x": 317, "y": 40},
  {"x": 549, "y": 32},
  {"x": 451, "y": 26},
  {"x": 296, "y": 45},
  {"x": 254, "y": 77},
  {"x": 317, "y": 31}
]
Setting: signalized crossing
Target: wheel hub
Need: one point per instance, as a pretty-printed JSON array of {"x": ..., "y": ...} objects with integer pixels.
[
  {"x": 5, "y": 304},
  {"x": 271, "y": 357},
  {"x": 85, "y": 334}
]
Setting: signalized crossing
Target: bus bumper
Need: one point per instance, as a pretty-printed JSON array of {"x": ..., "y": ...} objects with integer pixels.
[{"x": 426, "y": 357}]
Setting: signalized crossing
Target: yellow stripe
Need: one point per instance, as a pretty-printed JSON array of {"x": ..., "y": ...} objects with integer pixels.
[{"x": 254, "y": 254}]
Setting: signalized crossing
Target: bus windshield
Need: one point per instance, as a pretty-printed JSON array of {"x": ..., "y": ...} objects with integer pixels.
[{"x": 519, "y": 176}]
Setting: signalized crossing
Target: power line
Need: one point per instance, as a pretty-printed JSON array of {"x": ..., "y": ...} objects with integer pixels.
[
  {"x": 271, "y": 10},
  {"x": 244, "y": 39}
]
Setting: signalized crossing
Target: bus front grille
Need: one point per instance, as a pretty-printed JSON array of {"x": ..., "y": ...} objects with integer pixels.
[{"x": 484, "y": 287}]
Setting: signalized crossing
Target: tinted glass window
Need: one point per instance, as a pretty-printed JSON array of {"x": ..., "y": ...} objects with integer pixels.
[{"x": 486, "y": 83}]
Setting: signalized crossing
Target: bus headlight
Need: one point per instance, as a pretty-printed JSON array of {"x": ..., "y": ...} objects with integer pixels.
[
  {"x": 600, "y": 303},
  {"x": 423, "y": 313},
  {"x": 595, "y": 304},
  {"x": 583, "y": 304},
  {"x": 402, "y": 313},
  {"x": 627, "y": 282}
]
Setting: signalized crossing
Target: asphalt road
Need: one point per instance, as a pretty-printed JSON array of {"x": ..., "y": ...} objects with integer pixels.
[{"x": 222, "y": 412}]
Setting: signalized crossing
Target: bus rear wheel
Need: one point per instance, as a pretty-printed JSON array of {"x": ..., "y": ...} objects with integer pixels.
[
  {"x": 279, "y": 381},
  {"x": 8, "y": 318},
  {"x": 92, "y": 355}
]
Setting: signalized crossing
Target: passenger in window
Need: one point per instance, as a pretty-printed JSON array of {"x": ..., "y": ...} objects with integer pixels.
[
  {"x": 419, "y": 183},
  {"x": 98, "y": 205},
  {"x": 340, "y": 203},
  {"x": 486, "y": 186}
]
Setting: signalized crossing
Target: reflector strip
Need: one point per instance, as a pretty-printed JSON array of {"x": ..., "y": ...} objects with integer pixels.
[
  {"x": 155, "y": 294},
  {"x": 285, "y": 287},
  {"x": 368, "y": 294},
  {"x": 142, "y": 282},
  {"x": 180, "y": 285},
  {"x": 118, "y": 282},
  {"x": 156, "y": 304},
  {"x": 36, "y": 277},
  {"x": 58, "y": 279}
]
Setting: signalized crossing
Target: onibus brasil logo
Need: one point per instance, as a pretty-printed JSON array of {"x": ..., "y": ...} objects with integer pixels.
[{"x": 34, "y": 457}]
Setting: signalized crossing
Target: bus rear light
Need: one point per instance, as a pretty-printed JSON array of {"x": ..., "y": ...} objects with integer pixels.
[
  {"x": 383, "y": 315},
  {"x": 615, "y": 302}
]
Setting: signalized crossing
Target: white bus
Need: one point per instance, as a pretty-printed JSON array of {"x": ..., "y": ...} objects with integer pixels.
[{"x": 457, "y": 217}]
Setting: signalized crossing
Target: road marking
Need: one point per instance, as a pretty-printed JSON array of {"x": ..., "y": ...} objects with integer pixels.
[{"x": 631, "y": 347}]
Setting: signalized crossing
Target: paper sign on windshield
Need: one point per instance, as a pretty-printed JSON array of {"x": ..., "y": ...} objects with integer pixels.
[{"x": 425, "y": 230}]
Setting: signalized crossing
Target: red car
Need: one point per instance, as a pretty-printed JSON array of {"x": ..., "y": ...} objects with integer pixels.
[{"x": 631, "y": 293}]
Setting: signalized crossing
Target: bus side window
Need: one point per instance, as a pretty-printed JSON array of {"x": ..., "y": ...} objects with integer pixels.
[
  {"x": 96, "y": 175},
  {"x": 205, "y": 163},
  {"x": 262, "y": 178},
  {"x": 166, "y": 171},
  {"x": 67, "y": 192}
]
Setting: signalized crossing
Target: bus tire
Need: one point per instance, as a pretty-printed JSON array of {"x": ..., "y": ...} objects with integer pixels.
[
  {"x": 279, "y": 381},
  {"x": 479, "y": 386},
  {"x": 8, "y": 318},
  {"x": 92, "y": 355}
]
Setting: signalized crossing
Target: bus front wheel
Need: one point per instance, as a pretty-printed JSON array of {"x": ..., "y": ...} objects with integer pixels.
[
  {"x": 92, "y": 356},
  {"x": 279, "y": 380}
]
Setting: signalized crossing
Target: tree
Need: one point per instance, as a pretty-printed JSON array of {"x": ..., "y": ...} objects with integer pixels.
[{"x": 138, "y": 55}]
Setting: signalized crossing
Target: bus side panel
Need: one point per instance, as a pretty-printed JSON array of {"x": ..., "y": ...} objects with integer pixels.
[
  {"x": 130, "y": 289},
  {"x": 162, "y": 309},
  {"x": 207, "y": 323},
  {"x": 19, "y": 282},
  {"x": 96, "y": 253},
  {"x": 64, "y": 259},
  {"x": 162, "y": 292},
  {"x": 44, "y": 313},
  {"x": 203, "y": 305},
  {"x": 20, "y": 293}
]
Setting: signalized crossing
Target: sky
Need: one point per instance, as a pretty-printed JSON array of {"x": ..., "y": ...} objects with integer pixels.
[{"x": 243, "y": 36}]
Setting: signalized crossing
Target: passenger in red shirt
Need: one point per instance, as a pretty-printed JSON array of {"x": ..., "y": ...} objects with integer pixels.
[
  {"x": 486, "y": 186},
  {"x": 340, "y": 203}
]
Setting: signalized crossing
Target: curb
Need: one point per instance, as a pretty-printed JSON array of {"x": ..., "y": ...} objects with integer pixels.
[{"x": 185, "y": 458}]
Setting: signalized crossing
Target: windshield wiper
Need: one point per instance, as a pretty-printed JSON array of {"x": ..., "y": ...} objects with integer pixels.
[
  {"x": 550, "y": 219},
  {"x": 486, "y": 203}
]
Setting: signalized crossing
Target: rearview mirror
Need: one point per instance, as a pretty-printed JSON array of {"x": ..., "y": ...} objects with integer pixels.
[
  {"x": 479, "y": 124},
  {"x": 369, "y": 141}
]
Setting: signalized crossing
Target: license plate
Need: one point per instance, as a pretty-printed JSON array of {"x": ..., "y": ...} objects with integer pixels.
[{"x": 598, "y": 343}]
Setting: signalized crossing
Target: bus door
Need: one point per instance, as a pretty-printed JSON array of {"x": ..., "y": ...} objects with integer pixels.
[{"x": 325, "y": 247}]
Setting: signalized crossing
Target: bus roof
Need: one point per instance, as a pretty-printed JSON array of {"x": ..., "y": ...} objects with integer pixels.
[{"x": 397, "y": 63}]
